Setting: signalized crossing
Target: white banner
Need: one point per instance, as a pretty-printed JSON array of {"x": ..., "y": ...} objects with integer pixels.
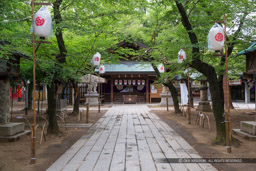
[{"x": 183, "y": 94}]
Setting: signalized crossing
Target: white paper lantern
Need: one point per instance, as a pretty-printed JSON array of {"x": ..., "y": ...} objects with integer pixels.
[
  {"x": 96, "y": 59},
  {"x": 134, "y": 82},
  {"x": 138, "y": 82},
  {"x": 161, "y": 68},
  {"x": 143, "y": 82},
  {"x": 181, "y": 56},
  {"x": 216, "y": 37},
  {"x": 102, "y": 69},
  {"x": 129, "y": 82},
  {"x": 125, "y": 82},
  {"x": 120, "y": 82},
  {"x": 42, "y": 24},
  {"x": 116, "y": 82}
]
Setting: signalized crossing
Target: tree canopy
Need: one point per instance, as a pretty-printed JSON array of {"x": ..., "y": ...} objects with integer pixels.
[{"x": 82, "y": 28}]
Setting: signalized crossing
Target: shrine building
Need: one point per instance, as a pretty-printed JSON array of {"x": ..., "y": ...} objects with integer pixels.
[{"x": 130, "y": 81}]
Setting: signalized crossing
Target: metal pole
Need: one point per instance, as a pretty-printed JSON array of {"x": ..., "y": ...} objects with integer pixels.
[
  {"x": 227, "y": 115},
  {"x": 99, "y": 94},
  {"x": 33, "y": 137},
  {"x": 189, "y": 100}
]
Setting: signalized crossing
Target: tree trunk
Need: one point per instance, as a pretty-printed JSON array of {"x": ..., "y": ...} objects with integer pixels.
[
  {"x": 77, "y": 99},
  {"x": 61, "y": 57},
  {"x": 191, "y": 94},
  {"x": 53, "y": 127},
  {"x": 174, "y": 94},
  {"x": 210, "y": 73},
  {"x": 173, "y": 91},
  {"x": 30, "y": 93}
]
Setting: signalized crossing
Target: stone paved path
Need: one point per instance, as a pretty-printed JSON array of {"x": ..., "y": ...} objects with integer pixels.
[{"x": 129, "y": 137}]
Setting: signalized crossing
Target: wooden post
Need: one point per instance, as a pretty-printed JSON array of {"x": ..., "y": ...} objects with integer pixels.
[
  {"x": 147, "y": 88},
  {"x": 99, "y": 93},
  {"x": 88, "y": 105},
  {"x": 70, "y": 92},
  {"x": 167, "y": 106},
  {"x": 189, "y": 100},
  {"x": 33, "y": 136},
  {"x": 227, "y": 114},
  {"x": 112, "y": 90},
  {"x": 254, "y": 101}
]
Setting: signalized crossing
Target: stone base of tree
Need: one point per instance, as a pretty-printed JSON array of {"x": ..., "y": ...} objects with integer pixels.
[
  {"x": 10, "y": 129},
  {"x": 204, "y": 106}
]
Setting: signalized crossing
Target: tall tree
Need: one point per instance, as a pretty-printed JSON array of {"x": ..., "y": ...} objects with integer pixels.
[{"x": 208, "y": 70}]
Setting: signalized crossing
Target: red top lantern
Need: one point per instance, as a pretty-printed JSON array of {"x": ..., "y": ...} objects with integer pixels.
[
  {"x": 134, "y": 82},
  {"x": 143, "y": 82},
  {"x": 138, "y": 82}
]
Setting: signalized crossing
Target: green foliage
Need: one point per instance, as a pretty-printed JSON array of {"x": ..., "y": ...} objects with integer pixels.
[{"x": 95, "y": 26}]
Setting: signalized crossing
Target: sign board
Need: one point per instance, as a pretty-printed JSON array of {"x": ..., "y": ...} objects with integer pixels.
[{"x": 235, "y": 82}]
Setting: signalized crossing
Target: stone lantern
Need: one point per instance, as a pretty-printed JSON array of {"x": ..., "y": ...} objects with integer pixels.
[{"x": 204, "y": 104}]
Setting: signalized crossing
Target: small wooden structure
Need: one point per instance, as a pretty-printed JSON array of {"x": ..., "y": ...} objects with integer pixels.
[
  {"x": 10, "y": 63},
  {"x": 250, "y": 58},
  {"x": 11, "y": 66},
  {"x": 247, "y": 128},
  {"x": 155, "y": 91}
]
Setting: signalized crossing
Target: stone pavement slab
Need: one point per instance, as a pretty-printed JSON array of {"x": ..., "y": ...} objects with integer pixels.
[{"x": 129, "y": 137}]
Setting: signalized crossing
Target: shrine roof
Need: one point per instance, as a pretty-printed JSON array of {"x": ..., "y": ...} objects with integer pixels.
[
  {"x": 252, "y": 48},
  {"x": 129, "y": 67}
]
